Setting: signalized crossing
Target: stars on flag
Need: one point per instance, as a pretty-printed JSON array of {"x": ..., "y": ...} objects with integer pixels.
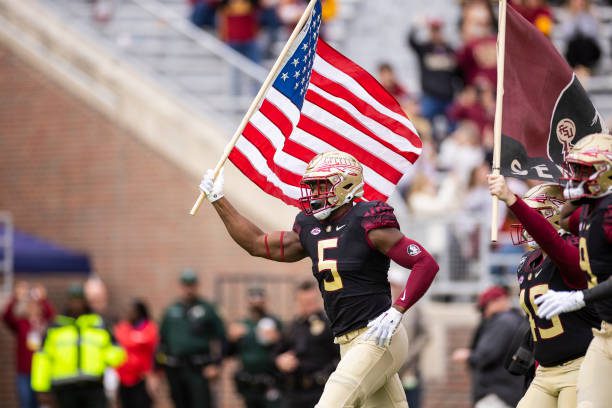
[{"x": 284, "y": 76}]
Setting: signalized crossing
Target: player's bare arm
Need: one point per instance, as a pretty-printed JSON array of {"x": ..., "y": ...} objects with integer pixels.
[{"x": 282, "y": 246}]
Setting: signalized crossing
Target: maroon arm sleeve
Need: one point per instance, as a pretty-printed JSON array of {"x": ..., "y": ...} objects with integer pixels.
[
  {"x": 410, "y": 254},
  {"x": 9, "y": 315},
  {"x": 563, "y": 253}
]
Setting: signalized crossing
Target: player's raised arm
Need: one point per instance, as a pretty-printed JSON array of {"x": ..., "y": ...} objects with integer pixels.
[
  {"x": 282, "y": 246},
  {"x": 409, "y": 254}
]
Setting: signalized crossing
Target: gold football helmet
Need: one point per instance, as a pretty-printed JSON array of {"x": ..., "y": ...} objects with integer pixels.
[
  {"x": 547, "y": 199},
  {"x": 331, "y": 180},
  {"x": 589, "y": 168}
]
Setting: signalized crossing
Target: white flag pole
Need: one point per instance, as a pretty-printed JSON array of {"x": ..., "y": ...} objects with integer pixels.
[
  {"x": 258, "y": 99},
  {"x": 499, "y": 102}
]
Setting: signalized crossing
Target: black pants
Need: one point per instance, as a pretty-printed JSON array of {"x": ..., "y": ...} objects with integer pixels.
[
  {"x": 89, "y": 395},
  {"x": 135, "y": 396},
  {"x": 188, "y": 387}
]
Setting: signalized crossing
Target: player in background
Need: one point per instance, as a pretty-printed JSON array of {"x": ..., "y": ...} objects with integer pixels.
[
  {"x": 589, "y": 187},
  {"x": 552, "y": 263},
  {"x": 350, "y": 244}
]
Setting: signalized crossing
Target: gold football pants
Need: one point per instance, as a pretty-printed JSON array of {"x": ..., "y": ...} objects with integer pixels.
[
  {"x": 366, "y": 376},
  {"x": 553, "y": 387},
  {"x": 595, "y": 377}
]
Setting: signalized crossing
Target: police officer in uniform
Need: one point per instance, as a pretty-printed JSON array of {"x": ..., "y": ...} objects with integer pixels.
[
  {"x": 307, "y": 355},
  {"x": 253, "y": 340},
  {"x": 76, "y": 351},
  {"x": 191, "y": 339}
]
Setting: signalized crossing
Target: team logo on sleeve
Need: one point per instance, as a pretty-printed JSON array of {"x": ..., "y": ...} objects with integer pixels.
[
  {"x": 413, "y": 250},
  {"x": 315, "y": 231}
]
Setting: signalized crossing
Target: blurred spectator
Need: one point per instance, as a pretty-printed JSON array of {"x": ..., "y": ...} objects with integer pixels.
[
  {"x": 537, "y": 12},
  {"x": 290, "y": 11},
  {"x": 477, "y": 20},
  {"x": 578, "y": 28},
  {"x": 253, "y": 341},
  {"x": 426, "y": 198},
  {"x": 270, "y": 24},
  {"x": 492, "y": 385},
  {"x": 203, "y": 12},
  {"x": 191, "y": 339},
  {"x": 239, "y": 26},
  {"x": 76, "y": 351},
  {"x": 138, "y": 336},
  {"x": 477, "y": 59},
  {"x": 412, "y": 322},
  {"x": 470, "y": 106},
  {"x": 387, "y": 78},
  {"x": 461, "y": 152},
  {"x": 27, "y": 315},
  {"x": 96, "y": 295},
  {"x": 307, "y": 355},
  {"x": 329, "y": 10},
  {"x": 437, "y": 67}
]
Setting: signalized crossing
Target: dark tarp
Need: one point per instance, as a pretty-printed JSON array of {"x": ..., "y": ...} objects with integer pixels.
[{"x": 36, "y": 255}]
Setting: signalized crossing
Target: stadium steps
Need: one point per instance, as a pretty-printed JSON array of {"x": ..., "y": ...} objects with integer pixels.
[{"x": 196, "y": 66}]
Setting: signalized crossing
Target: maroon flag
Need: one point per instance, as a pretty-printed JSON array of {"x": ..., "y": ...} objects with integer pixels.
[{"x": 546, "y": 110}]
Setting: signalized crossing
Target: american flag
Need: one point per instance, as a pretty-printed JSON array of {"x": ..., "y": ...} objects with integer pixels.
[{"x": 322, "y": 101}]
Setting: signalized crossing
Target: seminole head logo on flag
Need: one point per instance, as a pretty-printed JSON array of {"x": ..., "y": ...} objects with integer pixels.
[
  {"x": 546, "y": 109},
  {"x": 316, "y": 100}
]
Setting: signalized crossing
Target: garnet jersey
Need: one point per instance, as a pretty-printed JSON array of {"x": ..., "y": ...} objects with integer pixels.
[
  {"x": 596, "y": 248},
  {"x": 352, "y": 275},
  {"x": 564, "y": 337}
]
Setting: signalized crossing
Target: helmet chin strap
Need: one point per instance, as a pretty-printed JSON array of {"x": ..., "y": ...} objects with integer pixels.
[{"x": 321, "y": 215}]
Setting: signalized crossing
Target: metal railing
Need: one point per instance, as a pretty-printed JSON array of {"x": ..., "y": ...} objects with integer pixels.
[
  {"x": 462, "y": 247},
  {"x": 6, "y": 251}
]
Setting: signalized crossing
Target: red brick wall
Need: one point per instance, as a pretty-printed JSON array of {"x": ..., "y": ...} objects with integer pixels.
[{"x": 70, "y": 175}]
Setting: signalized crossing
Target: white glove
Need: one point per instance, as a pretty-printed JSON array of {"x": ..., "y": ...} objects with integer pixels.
[
  {"x": 382, "y": 328},
  {"x": 212, "y": 189},
  {"x": 553, "y": 303}
]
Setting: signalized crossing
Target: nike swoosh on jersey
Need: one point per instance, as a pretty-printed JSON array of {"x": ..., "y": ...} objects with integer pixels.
[{"x": 339, "y": 227}]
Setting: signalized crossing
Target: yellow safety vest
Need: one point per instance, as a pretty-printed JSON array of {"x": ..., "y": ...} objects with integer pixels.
[{"x": 74, "y": 350}]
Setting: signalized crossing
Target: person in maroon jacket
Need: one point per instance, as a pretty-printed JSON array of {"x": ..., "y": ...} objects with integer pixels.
[
  {"x": 27, "y": 315},
  {"x": 560, "y": 344}
]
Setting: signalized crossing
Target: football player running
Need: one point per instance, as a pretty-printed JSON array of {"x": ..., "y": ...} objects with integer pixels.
[
  {"x": 350, "y": 244},
  {"x": 589, "y": 187},
  {"x": 561, "y": 343}
]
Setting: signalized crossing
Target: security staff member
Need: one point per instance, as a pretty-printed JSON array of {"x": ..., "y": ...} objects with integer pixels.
[
  {"x": 308, "y": 354},
  {"x": 76, "y": 351},
  {"x": 253, "y": 340},
  {"x": 189, "y": 331}
]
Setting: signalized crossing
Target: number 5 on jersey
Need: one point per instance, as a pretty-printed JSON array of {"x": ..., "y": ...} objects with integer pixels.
[{"x": 329, "y": 264}]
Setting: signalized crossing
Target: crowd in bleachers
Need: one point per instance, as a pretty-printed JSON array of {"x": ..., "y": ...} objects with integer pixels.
[
  {"x": 455, "y": 108},
  {"x": 253, "y": 27}
]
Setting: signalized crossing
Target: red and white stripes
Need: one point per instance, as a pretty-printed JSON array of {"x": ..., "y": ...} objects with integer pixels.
[{"x": 346, "y": 109}]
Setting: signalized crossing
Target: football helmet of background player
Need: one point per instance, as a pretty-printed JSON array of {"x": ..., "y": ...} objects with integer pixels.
[
  {"x": 547, "y": 199},
  {"x": 331, "y": 180},
  {"x": 589, "y": 168}
]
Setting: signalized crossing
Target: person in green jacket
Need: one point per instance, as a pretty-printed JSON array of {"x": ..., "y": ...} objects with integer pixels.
[
  {"x": 191, "y": 341},
  {"x": 253, "y": 341},
  {"x": 76, "y": 351}
]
